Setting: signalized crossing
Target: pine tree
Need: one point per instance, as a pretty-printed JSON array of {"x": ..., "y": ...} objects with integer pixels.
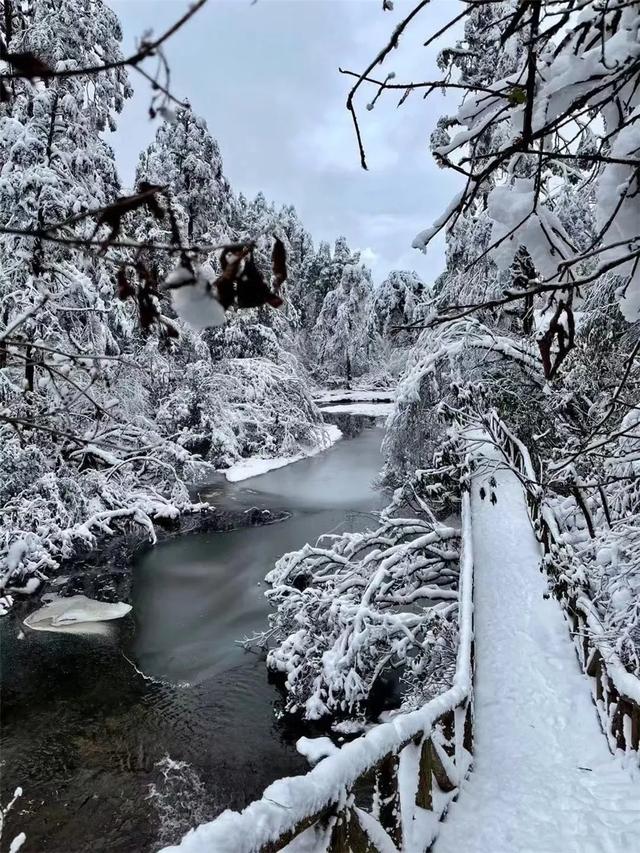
[
  {"x": 396, "y": 302},
  {"x": 186, "y": 159},
  {"x": 341, "y": 333},
  {"x": 56, "y": 167}
]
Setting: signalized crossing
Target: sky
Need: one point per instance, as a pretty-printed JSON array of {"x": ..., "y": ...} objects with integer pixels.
[{"x": 265, "y": 77}]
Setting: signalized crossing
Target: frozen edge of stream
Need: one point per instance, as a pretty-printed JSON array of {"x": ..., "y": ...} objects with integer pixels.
[{"x": 244, "y": 469}]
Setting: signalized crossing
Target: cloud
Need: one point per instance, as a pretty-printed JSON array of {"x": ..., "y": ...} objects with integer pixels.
[
  {"x": 330, "y": 145},
  {"x": 272, "y": 96}
]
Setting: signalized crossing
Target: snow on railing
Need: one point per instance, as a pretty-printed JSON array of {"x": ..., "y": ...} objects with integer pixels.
[
  {"x": 616, "y": 691},
  {"x": 415, "y": 763}
]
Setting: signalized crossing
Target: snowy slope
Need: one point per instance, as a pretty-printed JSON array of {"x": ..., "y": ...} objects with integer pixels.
[{"x": 544, "y": 779}]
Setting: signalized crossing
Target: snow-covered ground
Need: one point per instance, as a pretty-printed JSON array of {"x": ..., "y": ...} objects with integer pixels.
[
  {"x": 361, "y": 395},
  {"x": 252, "y": 467},
  {"x": 544, "y": 779},
  {"x": 371, "y": 410}
]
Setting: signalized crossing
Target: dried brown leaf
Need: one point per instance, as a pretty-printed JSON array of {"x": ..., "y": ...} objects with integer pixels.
[{"x": 279, "y": 262}]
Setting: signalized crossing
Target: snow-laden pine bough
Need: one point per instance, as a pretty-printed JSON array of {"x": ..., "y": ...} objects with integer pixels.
[
  {"x": 416, "y": 761},
  {"x": 593, "y": 570}
]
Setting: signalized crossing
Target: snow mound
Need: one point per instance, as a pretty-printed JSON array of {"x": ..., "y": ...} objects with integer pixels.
[
  {"x": 370, "y": 410},
  {"x": 316, "y": 748},
  {"x": 76, "y": 613}
]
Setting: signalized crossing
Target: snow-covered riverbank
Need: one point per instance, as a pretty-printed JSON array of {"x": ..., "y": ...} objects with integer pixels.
[
  {"x": 255, "y": 465},
  {"x": 366, "y": 409}
]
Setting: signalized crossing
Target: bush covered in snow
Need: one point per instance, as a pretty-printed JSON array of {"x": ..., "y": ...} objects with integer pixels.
[{"x": 354, "y": 607}]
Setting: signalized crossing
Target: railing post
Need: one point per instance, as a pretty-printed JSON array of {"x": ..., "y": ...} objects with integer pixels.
[
  {"x": 430, "y": 768},
  {"x": 347, "y": 835},
  {"x": 634, "y": 727},
  {"x": 424, "y": 797},
  {"x": 389, "y": 797},
  {"x": 468, "y": 728}
]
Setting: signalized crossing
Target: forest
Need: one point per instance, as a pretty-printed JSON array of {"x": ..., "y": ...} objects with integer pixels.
[{"x": 157, "y": 336}]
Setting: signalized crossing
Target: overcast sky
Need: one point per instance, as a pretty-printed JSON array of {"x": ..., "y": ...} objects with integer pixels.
[{"x": 265, "y": 77}]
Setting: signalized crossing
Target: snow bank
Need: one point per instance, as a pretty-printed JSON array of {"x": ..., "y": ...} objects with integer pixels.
[
  {"x": 244, "y": 469},
  {"x": 371, "y": 410},
  {"x": 365, "y": 395}
]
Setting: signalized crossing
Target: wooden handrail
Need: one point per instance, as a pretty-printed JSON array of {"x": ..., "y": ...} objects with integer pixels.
[{"x": 436, "y": 738}]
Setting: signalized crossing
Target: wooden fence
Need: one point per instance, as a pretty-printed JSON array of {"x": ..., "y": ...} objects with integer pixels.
[{"x": 616, "y": 691}]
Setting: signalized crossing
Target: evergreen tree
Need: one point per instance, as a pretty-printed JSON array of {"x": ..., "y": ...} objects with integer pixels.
[
  {"x": 186, "y": 159},
  {"x": 56, "y": 167},
  {"x": 396, "y": 302},
  {"x": 341, "y": 333}
]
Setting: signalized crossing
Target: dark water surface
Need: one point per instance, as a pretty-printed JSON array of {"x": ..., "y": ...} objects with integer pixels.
[{"x": 113, "y": 760}]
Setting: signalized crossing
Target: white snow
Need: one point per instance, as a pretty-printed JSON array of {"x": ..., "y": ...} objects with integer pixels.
[
  {"x": 371, "y": 410},
  {"x": 365, "y": 395},
  {"x": 196, "y": 302},
  {"x": 17, "y": 842},
  {"x": 244, "y": 469},
  {"x": 315, "y": 749},
  {"x": 544, "y": 779},
  {"x": 76, "y": 612}
]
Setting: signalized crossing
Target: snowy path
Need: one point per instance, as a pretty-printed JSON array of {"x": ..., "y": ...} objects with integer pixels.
[{"x": 544, "y": 780}]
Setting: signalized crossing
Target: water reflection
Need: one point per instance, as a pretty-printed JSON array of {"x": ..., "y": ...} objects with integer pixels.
[{"x": 87, "y": 736}]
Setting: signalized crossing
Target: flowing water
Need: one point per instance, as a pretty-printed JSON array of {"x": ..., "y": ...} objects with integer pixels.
[{"x": 123, "y": 741}]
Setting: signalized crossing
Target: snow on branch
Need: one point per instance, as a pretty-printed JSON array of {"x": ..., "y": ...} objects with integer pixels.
[
  {"x": 361, "y": 605},
  {"x": 550, "y": 94}
]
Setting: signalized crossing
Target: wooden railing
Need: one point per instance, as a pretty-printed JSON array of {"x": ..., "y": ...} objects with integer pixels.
[
  {"x": 374, "y": 793},
  {"x": 616, "y": 691}
]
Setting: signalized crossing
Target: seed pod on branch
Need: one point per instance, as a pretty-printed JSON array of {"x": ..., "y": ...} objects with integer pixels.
[
  {"x": 252, "y": 290},
  {"x": 112, "y": 215}
]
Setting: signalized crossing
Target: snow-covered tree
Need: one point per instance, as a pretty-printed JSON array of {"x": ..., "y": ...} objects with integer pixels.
[
  {"x": 64, "y": 332},
  {"x": 351, "y": 609},
  {"x": 186, "y": 158},
  {"x": 341, "y": 333},
  {"x": 538, "y": 307}
]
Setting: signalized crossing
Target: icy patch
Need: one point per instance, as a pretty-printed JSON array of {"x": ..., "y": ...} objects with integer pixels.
[
  {"x": 76, "y": 614},
  {"x": 247, "y": 468}
]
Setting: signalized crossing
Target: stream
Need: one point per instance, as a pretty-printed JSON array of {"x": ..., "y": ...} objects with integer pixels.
[{"x": 122, "y": 741}]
